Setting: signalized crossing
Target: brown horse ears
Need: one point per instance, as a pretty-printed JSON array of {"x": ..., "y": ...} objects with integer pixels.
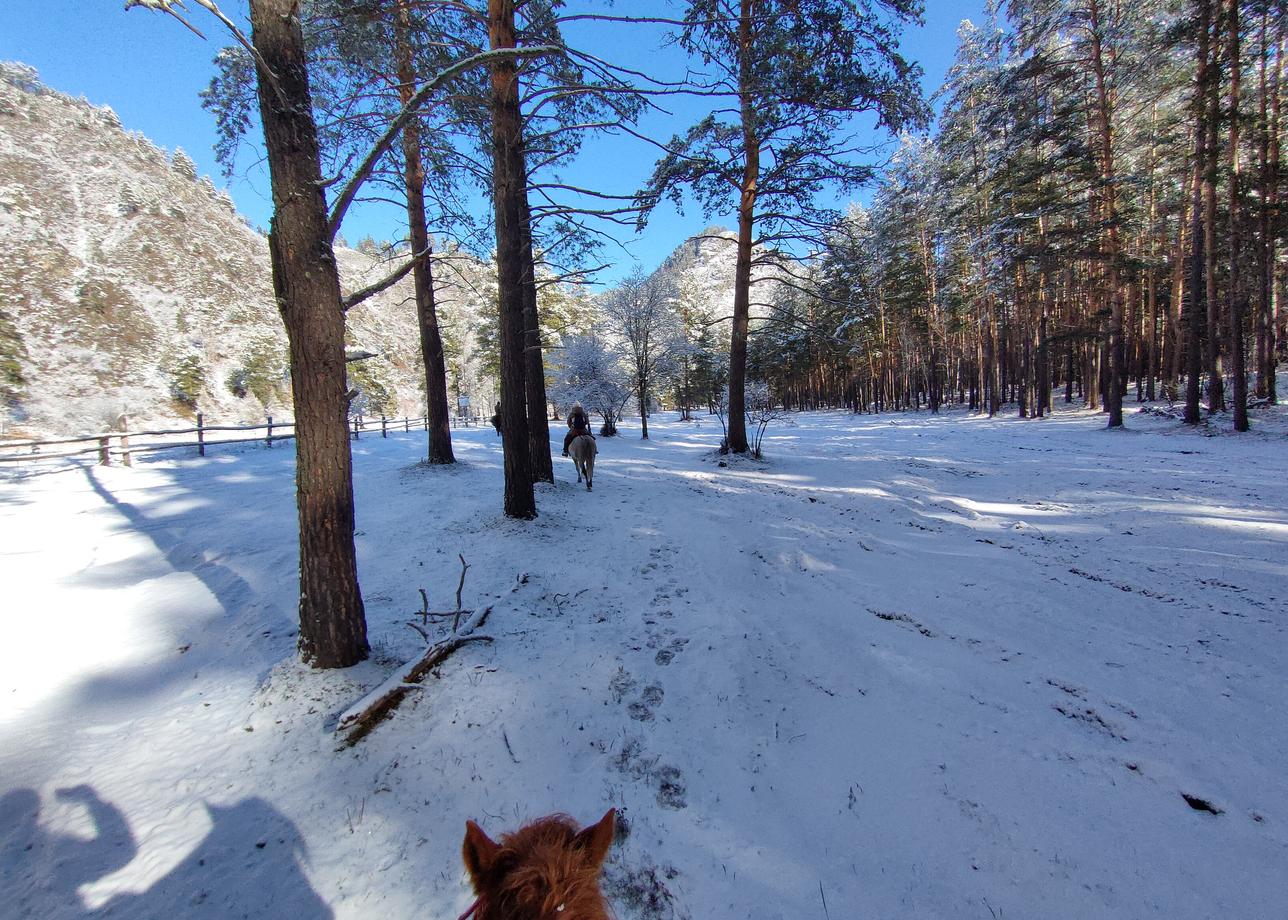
[
  {"x": 596, "y": 839},
  {"x": 479, "y": 851}
]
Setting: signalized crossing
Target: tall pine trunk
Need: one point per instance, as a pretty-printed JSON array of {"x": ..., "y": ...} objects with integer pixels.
[
  {"x": 1172, "y": 332},
  {"x": 1104, "y": 131},
  {"x": 508, "y": 184},
  {"x": 1216, "y": 383},
  {"x": 746, "y": 221},
  {"x": 1268, "y": 155},
  {"x": 1238, "y": 372},
  {"x": 431, "y": 341},
  {"x": 533, "y": 362},
  {"x": 1198, "y": 302},
  {"x": 333, "y": 628}
]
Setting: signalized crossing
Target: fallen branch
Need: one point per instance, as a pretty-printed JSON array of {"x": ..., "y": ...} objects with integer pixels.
[
  {"x": 364, "y": 715},
  {"x": 465, "y": 567}
]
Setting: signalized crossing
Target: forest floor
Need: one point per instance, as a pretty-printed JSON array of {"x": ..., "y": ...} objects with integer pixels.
[{"x": 907, "y": 666}]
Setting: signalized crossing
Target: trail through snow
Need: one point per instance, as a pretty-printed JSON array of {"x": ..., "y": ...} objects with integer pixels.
[{"x": 909, "y": 666}]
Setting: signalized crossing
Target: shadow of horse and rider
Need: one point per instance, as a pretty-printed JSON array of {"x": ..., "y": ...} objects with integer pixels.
[{"x": 248, "y": 865}]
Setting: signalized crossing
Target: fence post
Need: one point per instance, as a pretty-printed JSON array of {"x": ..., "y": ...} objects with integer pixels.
[
  {"x": 104, "y": 452},
  {"x": 355, "y": 428},
  {"x": 407, "y": 423},
  {"x": 384, "y": 427},
  {"x": 125, "y": 440},
  {"x": 201, "y": 435},
  {"x": 268, "y": 438}
]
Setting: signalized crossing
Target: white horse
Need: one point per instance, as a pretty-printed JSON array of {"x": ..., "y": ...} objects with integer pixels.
[{"x": 583, "y": 450}]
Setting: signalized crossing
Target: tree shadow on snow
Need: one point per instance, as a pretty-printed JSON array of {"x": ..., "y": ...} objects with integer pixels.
[
  {"x": 248, "y": 865},
  {"x": 233, "y": 594}
]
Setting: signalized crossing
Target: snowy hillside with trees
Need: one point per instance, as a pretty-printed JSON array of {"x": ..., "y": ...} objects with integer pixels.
[{"x": 132, "y": 286}]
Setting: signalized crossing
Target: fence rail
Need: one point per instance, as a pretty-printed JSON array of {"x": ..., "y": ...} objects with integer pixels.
[{"x": 118, "y": 445}]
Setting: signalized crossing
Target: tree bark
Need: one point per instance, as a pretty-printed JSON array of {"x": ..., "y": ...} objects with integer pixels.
[
  {"x": 1238, "y": 374},
  {"x": 306, "y": 282},
  {"x": 508, "y": 183},
  {"x": 1104, "y": 119},
  {"x": 1268, "y": 154},
  {"x": 746, "y": 222},
  {"x": 533, "y": 361},
  {"x": 1198, "y": 257},
  {"x": 439, "y": 426},
  {"x": 1216, "y": 384},
  {"x": 642, "y": 388},
  {"x": 1172, "y": 333}
]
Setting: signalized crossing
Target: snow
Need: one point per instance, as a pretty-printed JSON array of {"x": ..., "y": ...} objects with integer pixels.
[{"x": 908, "y": 666}]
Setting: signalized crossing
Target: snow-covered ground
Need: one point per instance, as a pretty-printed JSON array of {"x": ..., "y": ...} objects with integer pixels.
[{"x": 910, "y": 666}]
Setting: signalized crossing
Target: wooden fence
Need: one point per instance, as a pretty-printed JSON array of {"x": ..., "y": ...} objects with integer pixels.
[{"x": 121, "y": 446}]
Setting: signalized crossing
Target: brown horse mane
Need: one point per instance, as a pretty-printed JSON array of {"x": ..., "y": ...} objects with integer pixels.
[{"x": 546, "y": 870}]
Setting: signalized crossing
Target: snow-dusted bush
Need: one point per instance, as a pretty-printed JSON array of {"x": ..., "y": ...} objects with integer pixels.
[
  {"x": 187, "y": 380},
  {"x": 720, "y": 408},
  {"x": 97, "y": 413},
  {"x": 264, "y": 373},
  {"x": 12, "y": 353},
  {"x": 145, "y": 147},
  {"x": 374, "y": 393},
  {"x": 109, "y": 116},
  {"x": 131, "y": 201},
  {"x": 22, "y": 76},
  {"x": 183, "y": 164},
  {"x": 237, "y": 384},
  {"x": 760, "y": 410},
  {"x": 593, "y": 374}
]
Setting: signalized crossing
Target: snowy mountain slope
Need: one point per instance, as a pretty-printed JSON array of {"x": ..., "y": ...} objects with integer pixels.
[
  {"x": 131, "y": 281},
  {"x": 914, "y": 666},
  {"x": 702, "y": 269}
]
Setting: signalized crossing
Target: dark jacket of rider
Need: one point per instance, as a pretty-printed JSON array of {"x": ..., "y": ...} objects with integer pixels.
[{"x": 578, "y": 424}]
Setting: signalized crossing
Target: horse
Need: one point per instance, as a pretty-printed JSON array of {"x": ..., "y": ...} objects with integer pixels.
[
  {"x": 547, "y": 870},
  {"x": 583, "y": 450}
]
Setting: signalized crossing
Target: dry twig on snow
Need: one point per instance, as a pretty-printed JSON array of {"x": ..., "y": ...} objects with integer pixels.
[{"x": 376, "y": 706}]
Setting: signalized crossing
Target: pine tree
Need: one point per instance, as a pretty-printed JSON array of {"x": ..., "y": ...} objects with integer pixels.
[{"x": 793, "y": 75}]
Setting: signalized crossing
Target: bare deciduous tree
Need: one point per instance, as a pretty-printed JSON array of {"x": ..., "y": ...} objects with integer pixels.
[{"x": 641, "y": 312}]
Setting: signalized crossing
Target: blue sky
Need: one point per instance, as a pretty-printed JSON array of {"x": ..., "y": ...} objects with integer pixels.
[{"x": 149, "y": 69}]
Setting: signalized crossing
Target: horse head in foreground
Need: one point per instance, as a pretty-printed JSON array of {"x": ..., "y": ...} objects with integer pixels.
[
  {"x": 583, "y": 450},
  {"x": 547, "y": 870}
]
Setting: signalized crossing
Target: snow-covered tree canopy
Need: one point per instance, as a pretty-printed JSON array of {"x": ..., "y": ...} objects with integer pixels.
[{"x": 592, "y": 373}]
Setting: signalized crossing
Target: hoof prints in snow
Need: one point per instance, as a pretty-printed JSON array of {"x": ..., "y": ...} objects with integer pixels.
[
  {"x": 621, "y": 684},
  {"x": 641, "y": 710},
  {"x": 666, "y": 779},
  {"x": 1089, "y": 716},
  {"x": 642, "y": 891},
  {"x": 666, "y": 654},
  {"x": 1121, "y": 586},
  {"x": 902, "y": 618}
]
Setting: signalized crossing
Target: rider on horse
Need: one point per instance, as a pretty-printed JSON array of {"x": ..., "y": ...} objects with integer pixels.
[{"x": 578, "y": 424}]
